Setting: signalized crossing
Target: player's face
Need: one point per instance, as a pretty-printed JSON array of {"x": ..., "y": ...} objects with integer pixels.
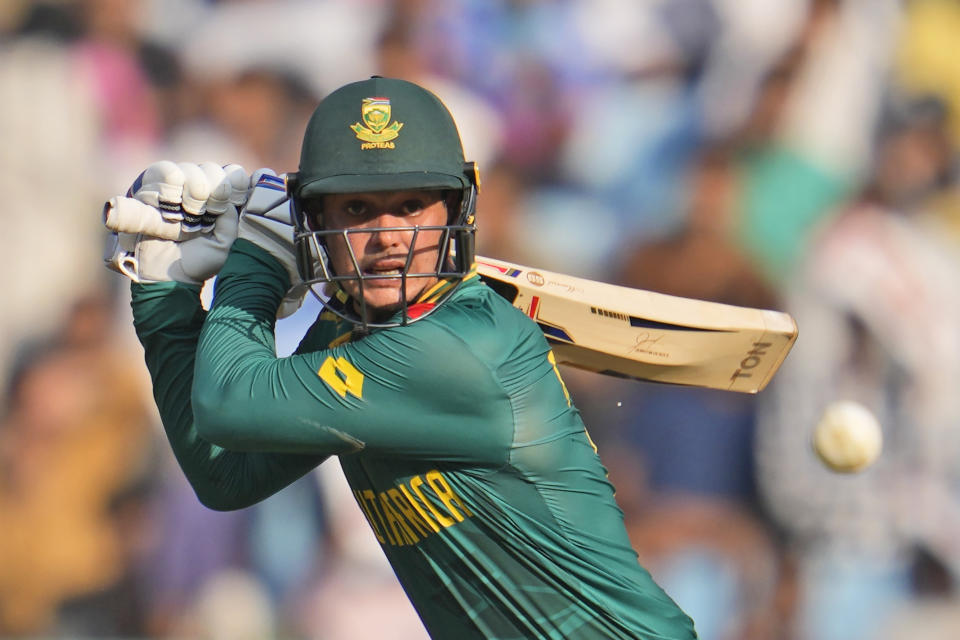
[{"x": 382, "y": 252}]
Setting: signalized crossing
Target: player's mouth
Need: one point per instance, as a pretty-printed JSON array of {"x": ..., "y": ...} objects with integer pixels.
[{"x": 384, "y": 269}]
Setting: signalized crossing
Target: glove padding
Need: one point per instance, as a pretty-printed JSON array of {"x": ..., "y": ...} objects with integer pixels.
[
  {"x": 266, "y": 222},
  {"x": 176, "y": 223}
]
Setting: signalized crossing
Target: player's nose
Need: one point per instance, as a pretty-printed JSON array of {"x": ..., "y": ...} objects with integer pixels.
[{"x": 388, "y": 229}]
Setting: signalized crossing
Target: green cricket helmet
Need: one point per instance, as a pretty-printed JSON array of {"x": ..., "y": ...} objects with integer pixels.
[{"x": 382, "y": 134}]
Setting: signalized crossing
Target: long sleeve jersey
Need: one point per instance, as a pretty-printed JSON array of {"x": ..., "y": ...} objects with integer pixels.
[{"x": 456, "y": 433}]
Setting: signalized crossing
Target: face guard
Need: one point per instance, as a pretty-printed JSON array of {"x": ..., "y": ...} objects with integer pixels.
[
  {"x": 382, "y": 135},
  {"x": 455, "y": 258}
]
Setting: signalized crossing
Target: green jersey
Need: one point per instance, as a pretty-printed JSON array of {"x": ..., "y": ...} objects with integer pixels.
[{"x": 456, "y": 434}]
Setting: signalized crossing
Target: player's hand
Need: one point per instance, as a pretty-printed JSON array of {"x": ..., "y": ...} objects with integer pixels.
[
  {"x": 266, "y": 222},
  {"x": 177, "y": 222}
]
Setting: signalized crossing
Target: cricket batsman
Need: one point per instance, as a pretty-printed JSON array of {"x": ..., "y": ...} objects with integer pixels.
[{"x": 442, "y": 402}]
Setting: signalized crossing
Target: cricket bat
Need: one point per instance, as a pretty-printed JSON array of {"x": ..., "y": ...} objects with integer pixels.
[{"x": 645, "y": 335}]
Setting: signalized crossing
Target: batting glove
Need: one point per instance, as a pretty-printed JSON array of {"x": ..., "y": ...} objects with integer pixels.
[
  {"x": 266, "y": 222},
  {"x": 176, "y": 223}
]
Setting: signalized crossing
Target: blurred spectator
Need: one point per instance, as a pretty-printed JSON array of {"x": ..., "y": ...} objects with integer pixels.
[
  {"x": 253, "y": 117},
  {"x": 721, "y": 564},
  {"x": 49, "y": 160},
  {"x": 925, "y": 63},
  {"x": 122, "y": 608},
  {"x": 701, "y": 259},
  {"x": 808, "y": 139},
  {"x": 878, "y": 308},
  {"x": 76, "y": 438},
  {"x": 193, "y": 545},
  {"x": 109, "y": 51},
  {"x": 523, "y": 58},
  {"x": 634, "y": 132},
  {"x": 79, "y": 108},
  {"x": 135, "y": 82},
  {"x": 327, "y": 43}
]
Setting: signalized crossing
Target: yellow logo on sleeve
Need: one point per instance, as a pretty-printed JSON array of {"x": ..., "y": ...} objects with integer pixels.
[{"x": 342, "y": 377}]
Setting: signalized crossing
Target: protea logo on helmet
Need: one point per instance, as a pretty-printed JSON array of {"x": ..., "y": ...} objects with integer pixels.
[{"x": 379, "y": 131}]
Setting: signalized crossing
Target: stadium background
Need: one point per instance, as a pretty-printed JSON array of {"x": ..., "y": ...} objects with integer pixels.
[{"x": 796, "y": 155}]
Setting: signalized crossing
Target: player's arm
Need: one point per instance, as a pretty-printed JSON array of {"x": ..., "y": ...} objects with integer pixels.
[
  {"x": 168, "y": 317},
  {"x": 414, "y": 391},
  {"x": 171, "y": 232}
]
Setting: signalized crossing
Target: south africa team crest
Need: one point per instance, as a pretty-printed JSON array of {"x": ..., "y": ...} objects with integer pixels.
[{"x": 379, "y": 131}]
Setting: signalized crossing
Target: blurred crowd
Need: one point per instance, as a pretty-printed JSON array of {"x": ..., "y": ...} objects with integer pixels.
[{"x": 797, "y": 155}]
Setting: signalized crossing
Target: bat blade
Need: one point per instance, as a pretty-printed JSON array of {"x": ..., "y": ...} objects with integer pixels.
[{"x": 646, "y": 335}]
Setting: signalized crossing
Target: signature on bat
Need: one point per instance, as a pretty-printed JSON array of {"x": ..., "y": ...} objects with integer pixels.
[
  {"x": 565, "y": 286},
  {"x": 645, "y": 342}
]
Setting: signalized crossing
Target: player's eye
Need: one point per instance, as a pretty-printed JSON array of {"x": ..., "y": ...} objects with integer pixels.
[
  {"x": 412, "y": 207},
  {"x": 355, "y": 208}
]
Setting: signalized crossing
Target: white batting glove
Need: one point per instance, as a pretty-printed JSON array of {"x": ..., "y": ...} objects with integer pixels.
[
  {"x": 176, "y": 223},
  {"x": 266, "y": 222}
]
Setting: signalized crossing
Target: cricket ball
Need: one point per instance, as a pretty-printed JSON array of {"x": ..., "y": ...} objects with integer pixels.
[{"x": 848, "y": 438}]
